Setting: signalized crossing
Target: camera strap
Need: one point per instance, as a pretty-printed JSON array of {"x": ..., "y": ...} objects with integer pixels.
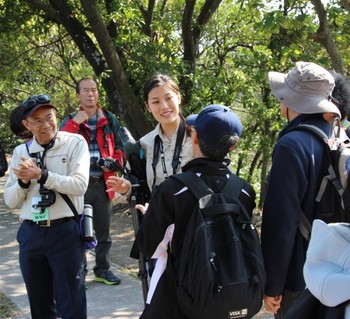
[
  {"x": 158, "y": 149},
  {"x": 71, "y": 206},
  {"x": 65, "y": 196},
  {"x": 40, "y": 158},
  {"x": 40, "y": 163}
]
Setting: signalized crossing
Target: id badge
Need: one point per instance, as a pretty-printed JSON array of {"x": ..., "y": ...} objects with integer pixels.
[{"x": 37, "y": 212}]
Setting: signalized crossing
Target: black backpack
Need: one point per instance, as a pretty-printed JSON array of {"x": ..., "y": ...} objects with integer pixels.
[
  {"x": 332, "y": 203},
  {"x": 3, "y": 162},
  {"x": 221, "y": 273}
]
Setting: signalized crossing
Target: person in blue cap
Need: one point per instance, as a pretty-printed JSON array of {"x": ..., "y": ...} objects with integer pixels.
[
  {"x": 216, "y": 132},
  {"x": 50, "y": 246}
]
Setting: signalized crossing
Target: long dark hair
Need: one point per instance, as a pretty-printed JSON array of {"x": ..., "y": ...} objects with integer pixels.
[{"x": 158, "y": 80}]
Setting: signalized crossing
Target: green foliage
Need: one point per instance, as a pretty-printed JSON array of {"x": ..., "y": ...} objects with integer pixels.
[
  {"x": 241, "y": 42},
  {"x": 39, "y": 58}
]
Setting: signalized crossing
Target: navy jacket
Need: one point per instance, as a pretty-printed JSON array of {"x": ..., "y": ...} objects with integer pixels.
[{"x": 294, "y": 181}]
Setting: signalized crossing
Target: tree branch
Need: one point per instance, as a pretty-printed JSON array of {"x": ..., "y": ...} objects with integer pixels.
[
  {"x": 47, "y": 8},
  {"x": 148, "y": 16},
  {"x": 325, "y": 37},
  {"x": 191, "y": 37}
]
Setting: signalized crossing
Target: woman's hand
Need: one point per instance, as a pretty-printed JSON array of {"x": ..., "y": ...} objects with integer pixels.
[{"x": 118, "y": 184}]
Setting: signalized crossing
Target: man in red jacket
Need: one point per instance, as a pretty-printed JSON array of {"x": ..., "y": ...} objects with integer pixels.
[{"x": 100, "y": 128}]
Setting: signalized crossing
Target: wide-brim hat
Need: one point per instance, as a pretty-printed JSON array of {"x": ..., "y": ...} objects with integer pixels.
[
  {"x": 327, "y": 266},
  {"x": 306, "y": 89}
]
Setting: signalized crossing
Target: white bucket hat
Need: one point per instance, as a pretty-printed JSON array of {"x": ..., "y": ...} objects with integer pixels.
[
  {"x": 327, "y": 266},
  {"x": 305, "y": 89}
]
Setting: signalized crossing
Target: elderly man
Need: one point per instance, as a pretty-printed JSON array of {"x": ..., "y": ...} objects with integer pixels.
[
  {"x": 50, "y": 247},
  {"x": 100, "y": 128}
]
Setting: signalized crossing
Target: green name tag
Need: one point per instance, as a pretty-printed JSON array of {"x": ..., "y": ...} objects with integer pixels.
[{"x": 37, "y": 217}]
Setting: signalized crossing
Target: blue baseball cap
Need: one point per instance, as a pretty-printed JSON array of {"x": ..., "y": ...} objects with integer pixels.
[{"x": 214, "y": 122}]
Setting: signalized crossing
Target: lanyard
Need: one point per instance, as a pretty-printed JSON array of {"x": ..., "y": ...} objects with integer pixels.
[
  {"x": 159, "y": 149},
  {"x": 40, "y": 158}
]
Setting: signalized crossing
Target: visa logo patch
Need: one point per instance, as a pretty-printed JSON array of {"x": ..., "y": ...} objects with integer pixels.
[{"x": 237, "y": 314}]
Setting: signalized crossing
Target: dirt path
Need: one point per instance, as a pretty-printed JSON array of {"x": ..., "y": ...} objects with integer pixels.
[{"x": 122, "y": 240}]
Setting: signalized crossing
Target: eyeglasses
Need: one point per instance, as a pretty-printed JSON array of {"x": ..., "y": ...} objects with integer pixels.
[
  {"x": 35, "y": 100},
  {"x": 40, "y": 122}
]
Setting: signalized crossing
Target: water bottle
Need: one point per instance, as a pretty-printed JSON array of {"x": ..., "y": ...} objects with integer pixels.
[{"x": 88, "y": 223}]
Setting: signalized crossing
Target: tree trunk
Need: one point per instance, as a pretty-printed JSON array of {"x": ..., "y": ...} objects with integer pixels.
[
  {"x": 191, "y": 33},
  {"x": 121, "y": 97},
  {"x": 128, "y": 107}
]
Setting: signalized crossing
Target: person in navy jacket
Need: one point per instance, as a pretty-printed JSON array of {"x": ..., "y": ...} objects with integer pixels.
[{"x": 296, "y": 172}]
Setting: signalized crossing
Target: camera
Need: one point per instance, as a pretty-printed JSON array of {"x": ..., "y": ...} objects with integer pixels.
[
  {"x": 112, "y": 165},
  {"x": 48, "y": 197}
]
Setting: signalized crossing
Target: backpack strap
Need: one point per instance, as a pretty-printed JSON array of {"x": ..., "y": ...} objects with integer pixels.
[
  {"x": 305, "y": 227},
  {"x": 234, "y": 186},
  {"x": 108, "y": 117},
  {"x": 331, "y": 177},
  {"x": 313, "y": 129},
  {"x": 71, "y": 206},
  {"x": 304, "y": 223},
  {"x": 194, "y": 183},
  {"x": 200, "y": 190}
]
